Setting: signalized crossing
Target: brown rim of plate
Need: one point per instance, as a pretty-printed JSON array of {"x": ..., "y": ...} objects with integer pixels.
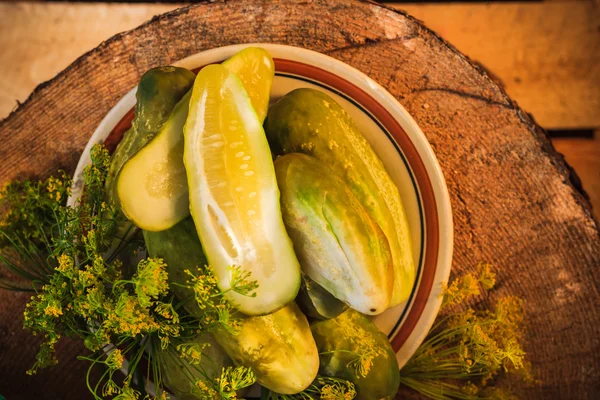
[{"x": 411, "y": 154}]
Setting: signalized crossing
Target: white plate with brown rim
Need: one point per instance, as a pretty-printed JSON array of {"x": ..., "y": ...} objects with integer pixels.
[{"x": 396, "y": 139}]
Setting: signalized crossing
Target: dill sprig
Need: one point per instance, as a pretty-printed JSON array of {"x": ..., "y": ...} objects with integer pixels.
[
  {"x": 322, "y": 388},
  {"x": 217, "y": 310},
  {"x": 78, "y": 261},
  {"x": 28, "y": 221},
  {"x": 465, "y": 350}
]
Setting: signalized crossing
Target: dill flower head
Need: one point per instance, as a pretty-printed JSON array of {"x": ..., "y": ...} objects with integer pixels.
[
  {"x": 233, "y": 379},
  {"x": 151, "y": 280},
  {"x": 471, "y": 346},
  {"x": 115, "y": 359}
]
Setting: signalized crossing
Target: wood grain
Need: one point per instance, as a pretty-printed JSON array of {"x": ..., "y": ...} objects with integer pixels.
[
  {"x": 515, "y": 202},
  {"x": 547, "y": 54}
]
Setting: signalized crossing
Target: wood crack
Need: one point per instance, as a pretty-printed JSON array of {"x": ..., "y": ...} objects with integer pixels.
[
  {"x": 373, "y": 42},
  {"x": 464, "y": 95}
]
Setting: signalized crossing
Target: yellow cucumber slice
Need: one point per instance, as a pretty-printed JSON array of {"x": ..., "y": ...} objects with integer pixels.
[{"x": 234, "y": 199}]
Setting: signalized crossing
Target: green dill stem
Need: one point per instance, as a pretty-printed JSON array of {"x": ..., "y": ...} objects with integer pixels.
[
  {"x": 436, "y": 390},
  {"x": 33, "y": 275},
  {"x": 107, "y": 371},
  {"x": 157, "y": 378},
  {"x": 339, "y": 351},
  {"x": 122, "y": 244},
  {"x": 87, "y": 377}
]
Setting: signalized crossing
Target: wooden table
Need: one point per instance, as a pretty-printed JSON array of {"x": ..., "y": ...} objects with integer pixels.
[{"x": 515, "y": 202}]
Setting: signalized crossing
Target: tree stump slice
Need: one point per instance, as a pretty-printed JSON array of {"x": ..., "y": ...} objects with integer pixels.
[{"x": 515, "y": 202}]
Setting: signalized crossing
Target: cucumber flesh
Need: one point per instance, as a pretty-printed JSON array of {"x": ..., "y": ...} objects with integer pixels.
[
  {"x": 234, "y": 198},
  {"x": 152, "y": 187}
]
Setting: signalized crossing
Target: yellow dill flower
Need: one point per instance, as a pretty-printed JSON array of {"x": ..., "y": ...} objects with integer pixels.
[
  {"x": 335, "y": 392},
  {"x": 53, "y": 310},
  {"x": 201, "y": 389},
  {"x": 510, "y": 312},
  {"x": 115, "y": 359},
  {"x": 151, "y": 280},
  {"x": 98, "y": 267},
  {"x": 459, "y": 290},
  {"x": 129, "y": 317},
  {"x": 233, "y": 379},
  {"x": 192, "y": 352},
  {"x": 51, "y": 185},
  {"x": 127, "y": 393},
  {"x": 110, "y": 388},
  {"x": 487, "y": 277},
  {"x": 363, "y": 345},
  {"x": 84, "y": 279},
  {"x": 65, "y": 265},
  {"x": 167, "y": 311}
]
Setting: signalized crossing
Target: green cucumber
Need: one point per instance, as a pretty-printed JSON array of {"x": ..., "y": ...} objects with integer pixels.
[
  {"x": 340, "y": 340},
  {"x": 279, "y": 348},
  {"x": 152, "y": 185},
  {"x": 157, "y": 93}
]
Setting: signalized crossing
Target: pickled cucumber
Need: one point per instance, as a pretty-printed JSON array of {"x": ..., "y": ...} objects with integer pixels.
[
  {"x": 279, "y": 347},
  {"x": 157, "y": 93},
  {"x": 234, "y": 198},
  {"x": 343, "y": 340},
  {"x": 309, "y": 121},
  {"x": 338, "y": 244}
]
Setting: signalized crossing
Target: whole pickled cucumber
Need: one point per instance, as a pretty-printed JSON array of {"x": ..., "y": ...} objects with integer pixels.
[
  {"x": 342, "y": 339},
  {"x": 338, "y": 244},
  {"x": 157, "y": 93},
  {"x": 311, "y": 122},
  {"x": 180, "y": 376},
  {"x": 279, "y": 348}
]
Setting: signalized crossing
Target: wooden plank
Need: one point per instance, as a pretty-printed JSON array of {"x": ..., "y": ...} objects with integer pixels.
[
  {"x": 546, "y": 54},
  {"x": 583, "y": 154},
  {"x": 38, "y": 40}
]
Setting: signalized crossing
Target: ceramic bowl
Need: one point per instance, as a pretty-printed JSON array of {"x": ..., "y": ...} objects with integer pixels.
[{"x": 397, "y": 140}]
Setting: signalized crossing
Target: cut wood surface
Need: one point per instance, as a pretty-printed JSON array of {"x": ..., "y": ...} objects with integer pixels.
[
  {"x": 546, "y": 54},
  {"x": 515, "y": 202}
]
